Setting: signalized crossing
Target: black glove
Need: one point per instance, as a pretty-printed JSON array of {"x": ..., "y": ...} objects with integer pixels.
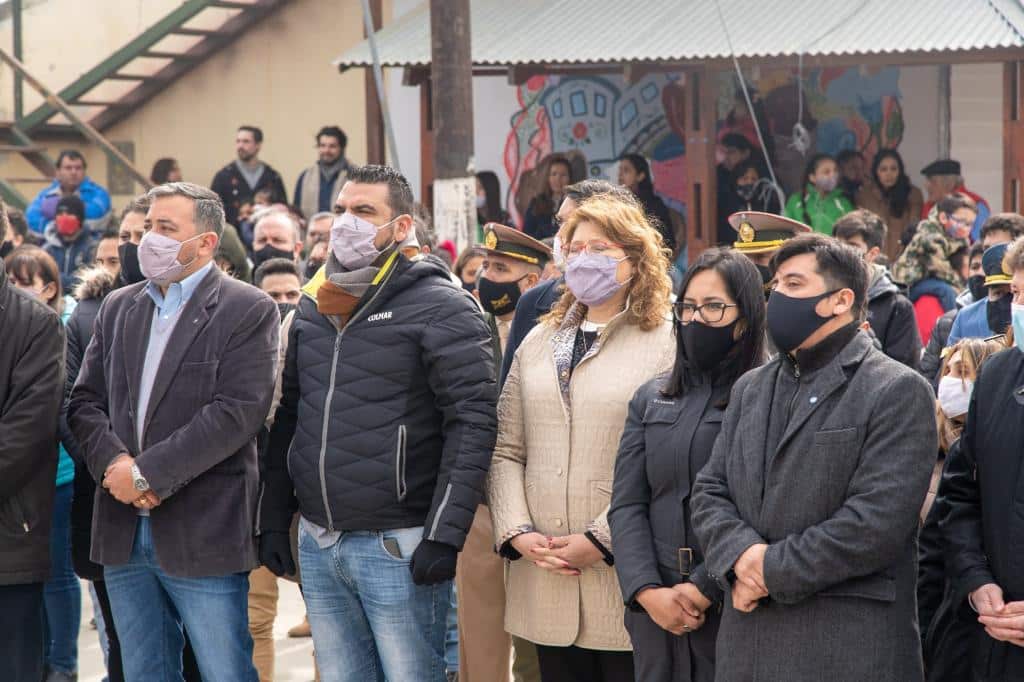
[
  {"x": 433, "y": 562},
  {"x": 276, "y": 552}
]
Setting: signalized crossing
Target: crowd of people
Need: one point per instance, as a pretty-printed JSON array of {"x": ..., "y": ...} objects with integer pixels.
[{"x": 551, "y": 457}]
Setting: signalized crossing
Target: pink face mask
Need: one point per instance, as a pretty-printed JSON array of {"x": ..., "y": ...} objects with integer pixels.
[
  {"x": 158, "y": 258},
  {"x": 352, "y": 241},
  {"x": 592, "y": 277}
]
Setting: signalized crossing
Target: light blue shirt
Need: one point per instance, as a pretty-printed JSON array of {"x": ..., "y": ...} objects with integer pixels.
[
  {"x": 970, "y": 323},
  {"x": 165, "y": 318}
]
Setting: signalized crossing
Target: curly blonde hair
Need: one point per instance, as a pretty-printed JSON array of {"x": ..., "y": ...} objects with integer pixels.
[{"x": 649, "y": 290}]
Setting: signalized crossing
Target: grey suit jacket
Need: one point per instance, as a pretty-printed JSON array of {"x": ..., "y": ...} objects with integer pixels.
[
  {"x": 198, "y": 450},
  {"x": 837, "y": 502}
]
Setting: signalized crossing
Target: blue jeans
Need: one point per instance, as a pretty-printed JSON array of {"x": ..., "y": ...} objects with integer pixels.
[
  {"x": 451, "y": 636},
  {"x": 150, "y": 608},
  {"x": 370, "y": 622},
  {"x": 62, "y": 593}
]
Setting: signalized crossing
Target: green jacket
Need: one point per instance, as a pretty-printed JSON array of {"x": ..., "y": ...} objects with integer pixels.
[
  {"x": 820, "y": 212},
  {"x": 927, "y": 255}
]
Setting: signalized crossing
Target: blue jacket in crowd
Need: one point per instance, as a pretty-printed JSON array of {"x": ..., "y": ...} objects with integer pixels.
[
  {"x": 971, "y": 323},
  {"x": 70, "y": 255},
  {"x": 43, "y": 208}
]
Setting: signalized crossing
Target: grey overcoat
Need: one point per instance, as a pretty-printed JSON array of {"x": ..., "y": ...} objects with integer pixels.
[{"x": 837, "y": 502}]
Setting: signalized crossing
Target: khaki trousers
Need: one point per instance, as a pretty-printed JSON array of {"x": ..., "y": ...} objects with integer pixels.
[
  {"x": 262, "y": 612},
  {"x": 485, "y": 649}
]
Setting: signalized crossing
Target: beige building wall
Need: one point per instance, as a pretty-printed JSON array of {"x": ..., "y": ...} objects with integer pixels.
[{"x": 277, "y": 76}]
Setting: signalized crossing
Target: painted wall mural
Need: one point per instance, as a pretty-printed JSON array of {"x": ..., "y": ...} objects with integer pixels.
[{"x": 596, "y": 119}]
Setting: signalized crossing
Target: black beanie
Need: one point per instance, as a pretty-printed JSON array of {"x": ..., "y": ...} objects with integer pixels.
[{"x": 73, "y": 205}]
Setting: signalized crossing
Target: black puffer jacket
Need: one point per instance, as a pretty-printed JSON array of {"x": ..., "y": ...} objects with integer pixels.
[
  {"x": 391, "y": 422},
  {"x": 93, "y": 286},
  {"x": 891, "y": 315},
  {"x": 31, "y": 378}
]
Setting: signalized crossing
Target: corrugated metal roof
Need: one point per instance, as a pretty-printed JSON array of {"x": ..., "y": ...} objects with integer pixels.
[{"x": 512, "y": 32}]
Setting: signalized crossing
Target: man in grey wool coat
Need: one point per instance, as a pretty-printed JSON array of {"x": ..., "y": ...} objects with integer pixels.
[{"x": 808, "y": 508}]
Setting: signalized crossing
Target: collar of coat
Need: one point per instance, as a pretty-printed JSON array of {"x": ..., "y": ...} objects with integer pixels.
[
  {"x": 313, "y": 285},
  {"x": 846, "y": 346}
]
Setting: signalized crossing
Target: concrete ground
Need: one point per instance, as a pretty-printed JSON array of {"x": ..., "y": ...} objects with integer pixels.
[{"x": 294, "y": 656}]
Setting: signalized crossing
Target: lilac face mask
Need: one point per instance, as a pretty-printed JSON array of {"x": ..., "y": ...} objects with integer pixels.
[
  {"x": 352, "y": 241},
  {"x": 591, "y": 278},
  {"x": 158, "y": 258}
]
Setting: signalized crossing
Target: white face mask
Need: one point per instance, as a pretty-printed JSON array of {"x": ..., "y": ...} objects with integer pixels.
[{"x": 954, "y": 396}]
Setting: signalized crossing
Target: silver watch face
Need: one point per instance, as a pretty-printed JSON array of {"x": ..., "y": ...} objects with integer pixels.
[{"x": 141, "y": 485}]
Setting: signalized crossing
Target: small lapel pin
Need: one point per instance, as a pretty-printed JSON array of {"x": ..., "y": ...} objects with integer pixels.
[{"x": 814, "y": 399}]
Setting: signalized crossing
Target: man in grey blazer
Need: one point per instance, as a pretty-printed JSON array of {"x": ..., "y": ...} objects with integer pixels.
[
  {"x": 808, "y": 508},
  {"x": 174, "y": 386}
]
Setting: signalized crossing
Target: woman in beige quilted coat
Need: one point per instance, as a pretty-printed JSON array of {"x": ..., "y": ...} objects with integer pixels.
[{"x": 561, "y": 413}]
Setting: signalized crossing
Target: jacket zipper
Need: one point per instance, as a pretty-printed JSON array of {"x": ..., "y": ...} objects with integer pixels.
[
  {"x": 400, "y": 487},
  {"x": 327, "y": 406}
]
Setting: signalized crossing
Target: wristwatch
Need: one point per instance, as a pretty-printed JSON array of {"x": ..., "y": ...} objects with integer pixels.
[{"x": 141, "y": 484}]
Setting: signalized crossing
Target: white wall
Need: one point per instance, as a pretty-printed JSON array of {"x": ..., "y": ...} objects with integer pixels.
[
  {"x": 976, "y": 128},
  {"x": 919, "y": 86}
]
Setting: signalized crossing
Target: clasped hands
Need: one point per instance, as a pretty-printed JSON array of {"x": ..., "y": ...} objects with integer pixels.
[
  {"x": 749, "y": 586},
  {"x": 566, "y": 555},
  {"x": 1002, "y": 621},
  {"x": 117, "y": 480},
  {"x": 678, "y": 609}
]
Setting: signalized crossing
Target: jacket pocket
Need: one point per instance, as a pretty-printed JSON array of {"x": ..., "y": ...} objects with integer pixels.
[
  {"x": 877, "y": 586},
  {"x": 400, "y": 487},
  {"x": 12, "y": 516}
]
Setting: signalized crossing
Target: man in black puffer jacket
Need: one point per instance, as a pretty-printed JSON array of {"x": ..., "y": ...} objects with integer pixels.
[
  {"x": 384, "y": 433},
  {"x": 31, "y": 364}
]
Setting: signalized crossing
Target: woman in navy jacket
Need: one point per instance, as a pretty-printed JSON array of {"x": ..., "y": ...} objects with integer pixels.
[{"x": 673, "y": 603}]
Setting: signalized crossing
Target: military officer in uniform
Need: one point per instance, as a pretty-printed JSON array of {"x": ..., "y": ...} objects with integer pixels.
[
  {"x": 513, "y": 264},
  {"x": 759, "y": 235}
]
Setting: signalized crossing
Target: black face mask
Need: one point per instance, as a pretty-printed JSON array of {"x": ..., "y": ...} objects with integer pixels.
[
  {"x": 745, "y": 191},
  {"x": 469, "y": 286},
  {"x": 131, "y": 273},
  {"x": 498, "y": 298},
  {"x": 792, "y": 320},
  {"x": 267, "y": 252},
  {"x": 312, "y": 266},
  {"x": 706, "y": 346},
  {"x": 6, "y": 248},
  {"x": 998, "y": 313},
  {"x": 976, "y": 285},
  {"x": 285, "y": 308}
]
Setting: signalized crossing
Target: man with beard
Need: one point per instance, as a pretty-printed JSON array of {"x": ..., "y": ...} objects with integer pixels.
[
  {"x": 808, "y": 508},
  {"x": 318, "y": 185},
  {"x": 246, "y": 175}
]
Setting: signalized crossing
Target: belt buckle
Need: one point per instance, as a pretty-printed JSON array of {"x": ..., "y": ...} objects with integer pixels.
[{"x": 685, "y": 557}]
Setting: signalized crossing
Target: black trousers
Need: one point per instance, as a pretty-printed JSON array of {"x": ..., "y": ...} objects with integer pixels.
[
  {"x": 573, "y": 664},
  {"x": 115, "y": 671},
  {"x": 21, "y": 632}
]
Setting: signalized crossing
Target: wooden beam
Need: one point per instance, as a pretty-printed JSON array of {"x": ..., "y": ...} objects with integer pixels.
[
  {"x": 156, "y": 54},
  {"x": 200, "y": 32},
  {"x": 1013, "y": 137},
  {"x": 413, "y": 76},
  {"x": 426, "y": 145},
  {"x": 701, "y": 209},
  {"x": 60, "y": 105},
  {"x": 230, "y": 31},
  {"x": 94, "y": 103},
  {"x": 96, "y": 75},
  {"x": 127, "y": 77},
  {"x": 375, "y": 145}
]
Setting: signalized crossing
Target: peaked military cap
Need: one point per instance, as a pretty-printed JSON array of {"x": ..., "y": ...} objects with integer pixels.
[
  {"x": 759, "y": 232},
  {"x": 507, "y": 241}
]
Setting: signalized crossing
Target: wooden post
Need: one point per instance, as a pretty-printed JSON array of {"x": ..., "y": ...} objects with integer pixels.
[
  {"x": 451, "y": 78},
  {"x": 19, "y": 88},
  {"x": 1013, "y": 137},
  {"x": 701, "y": 192},
  {"x": 375, "y": 149}
]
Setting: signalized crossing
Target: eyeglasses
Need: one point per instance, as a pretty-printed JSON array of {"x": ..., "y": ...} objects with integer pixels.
[
  {"x": 594, "y": 247},
  {"x": 712, "y": 312}
]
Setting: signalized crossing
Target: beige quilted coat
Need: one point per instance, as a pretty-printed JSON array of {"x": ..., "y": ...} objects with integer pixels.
[{"x": 554, "y": 472}]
